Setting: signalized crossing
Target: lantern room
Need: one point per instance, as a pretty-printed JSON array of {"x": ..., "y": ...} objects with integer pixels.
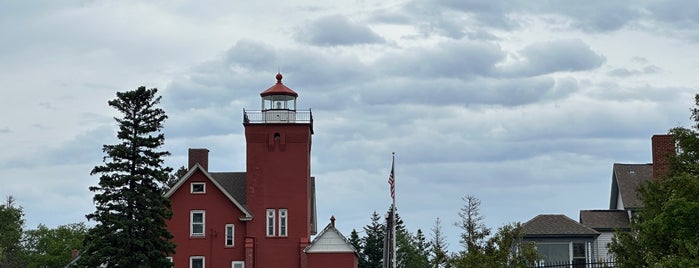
[{"x": 279, "y": 97}]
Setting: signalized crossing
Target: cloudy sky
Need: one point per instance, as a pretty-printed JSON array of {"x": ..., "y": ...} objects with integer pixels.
[{"x": 525, "y": 105}]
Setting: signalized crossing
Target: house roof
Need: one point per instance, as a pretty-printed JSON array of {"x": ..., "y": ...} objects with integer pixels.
[
  {"x": 233, "y": 183},
  {"x": 558, "y": 225},
  {"x": 626, "y": 179},
  {"x": 233, "y": 194},
  {"x": 605, "y": 220},
  {"x": 330, "y": 240}
]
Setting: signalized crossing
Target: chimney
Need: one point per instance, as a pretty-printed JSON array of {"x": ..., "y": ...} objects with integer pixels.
[
  {"x": 332, "y": 220},
  {"x": 74, "y": 254},
  {"x": 663, "y": 148},
  {"x": 200, "y": 156}
]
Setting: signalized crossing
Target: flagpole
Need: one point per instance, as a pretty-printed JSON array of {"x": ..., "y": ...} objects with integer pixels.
[{"x": 393, "y": 210}]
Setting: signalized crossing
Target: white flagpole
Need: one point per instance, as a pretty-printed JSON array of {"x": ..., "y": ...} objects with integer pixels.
[{"x": 393, "y": 211}]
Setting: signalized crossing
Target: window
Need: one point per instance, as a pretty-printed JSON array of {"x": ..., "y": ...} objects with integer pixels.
[
  {"x": 196, "y": 226},
  {"x": 270, "y": 222},
  {"x": 197, "y": 187},
  {"x": 229, "y": 235},
  {"x": 238, "y": 264},
  {"x": 579, "y": 258},
  {"x": 282, "y": 222},
  {"x": 196, "y": 262}
]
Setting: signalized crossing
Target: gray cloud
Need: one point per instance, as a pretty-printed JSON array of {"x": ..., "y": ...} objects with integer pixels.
[
  {"x": 336, "y": 30},
  {"x": 554, "y": 56},
  {"x": 5, "y": 130},
  {"x": 625, "y": 72},
  {"x": 451, "y": 59}
]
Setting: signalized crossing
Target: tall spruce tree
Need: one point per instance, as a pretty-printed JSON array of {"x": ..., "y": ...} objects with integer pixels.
[
  {"x": 11, "y": 225},
  {"x": 358, "y": 245},
  {"x": 131, "y": 211},
  {"x": 373, "y": 242}
]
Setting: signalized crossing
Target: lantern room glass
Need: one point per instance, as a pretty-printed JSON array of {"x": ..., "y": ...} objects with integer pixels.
[{"x": 278, "y": 102}]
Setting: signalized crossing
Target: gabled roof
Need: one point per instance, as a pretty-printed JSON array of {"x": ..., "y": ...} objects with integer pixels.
[
  {"x": 546, "y": 225},
  {"x": 626, "y": 179},
  {"x": 330, "y": 240},
  {"x": 605, "y": 220},
  {"x": 227, "y": 182}
]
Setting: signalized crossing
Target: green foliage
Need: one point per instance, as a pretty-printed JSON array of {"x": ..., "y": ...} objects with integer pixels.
[
  {"x": 373, "y": 243},
  {"x": 11, "y": 224},
  {"x": 504, "y": 249},
  {"x": 53, "y": 247},
  {"x": 174, "y": 178},
  {"x": 474, "y": 230},
  {"x": 131, "y": 212},
  {"x": 663, "y": 233},
  {"x": 359, "y": 246}
]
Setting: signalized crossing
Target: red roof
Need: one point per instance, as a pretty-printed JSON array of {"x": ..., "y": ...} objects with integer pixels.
[{"x": 279, "y": 89}]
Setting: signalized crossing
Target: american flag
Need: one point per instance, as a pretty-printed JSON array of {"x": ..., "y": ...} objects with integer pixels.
[{"x": 392, "y": 181}]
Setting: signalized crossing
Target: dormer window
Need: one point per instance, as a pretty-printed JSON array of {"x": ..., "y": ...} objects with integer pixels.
[{"x": 198, "y": 188}]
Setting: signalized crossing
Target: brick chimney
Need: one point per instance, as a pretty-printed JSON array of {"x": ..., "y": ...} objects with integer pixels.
[
  {"x": 199, "y": 155},
  {"x": 663, "y": 147}
]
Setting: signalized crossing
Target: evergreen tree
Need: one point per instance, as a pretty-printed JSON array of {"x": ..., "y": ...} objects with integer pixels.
[
  {"x": 131, "y": 211},
  {"x": 438, "y": 246},
  {"x": 373, "y": 242},
  {"x": 357, "y": 244},
  {"x": 11, "y": 224},
  {"x": 417, "y": 250},
  {"x": 504, "y": 249},
  {"x": 474, "y": 230},
  {"x": 174, "y": 178}
]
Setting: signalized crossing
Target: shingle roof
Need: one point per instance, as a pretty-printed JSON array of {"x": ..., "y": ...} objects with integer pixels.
[
  {"x": 546, "y": 225},
  {"x": 233, "y": 183},
  {"x": 626, "y": 179},
  {"x": 605, "y": 220}
]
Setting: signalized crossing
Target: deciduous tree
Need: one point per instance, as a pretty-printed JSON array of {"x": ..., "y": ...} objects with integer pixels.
[
  {"x": 131, "y": 211},
  {"x": 53, "y": 247}
]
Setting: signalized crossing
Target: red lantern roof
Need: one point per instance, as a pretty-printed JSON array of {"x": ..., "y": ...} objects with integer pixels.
[{"x": 279, "y": 89}]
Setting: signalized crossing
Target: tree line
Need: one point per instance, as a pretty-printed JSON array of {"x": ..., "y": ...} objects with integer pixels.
[
  {"x": 479, "y": 248},
  {"x": 40, "y": 247}
]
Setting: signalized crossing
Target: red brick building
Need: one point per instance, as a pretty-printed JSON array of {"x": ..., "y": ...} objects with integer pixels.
[{"x": 263, "y": 217}]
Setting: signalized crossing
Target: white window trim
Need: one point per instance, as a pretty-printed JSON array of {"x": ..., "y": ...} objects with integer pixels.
[
  {"x": 232, "y": 235},
  {"x": 203, "y": 223},
  {"x": 191, "y": 187},
  {"x": 271, "y": 215},
  {"x": 192, "y": 258},
  {"x": 233, "y": 263},
  {"x": 283, "y": 222}
]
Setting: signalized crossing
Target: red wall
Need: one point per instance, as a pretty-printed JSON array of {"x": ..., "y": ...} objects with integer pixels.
[
  {"x": 278, "y": 174},
  {"x": 335, "y": 260},
  {"x": 219, "y": 212}
]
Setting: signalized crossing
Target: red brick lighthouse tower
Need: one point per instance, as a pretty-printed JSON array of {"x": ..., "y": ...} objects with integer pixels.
[{"x": 279, "y": 188}]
